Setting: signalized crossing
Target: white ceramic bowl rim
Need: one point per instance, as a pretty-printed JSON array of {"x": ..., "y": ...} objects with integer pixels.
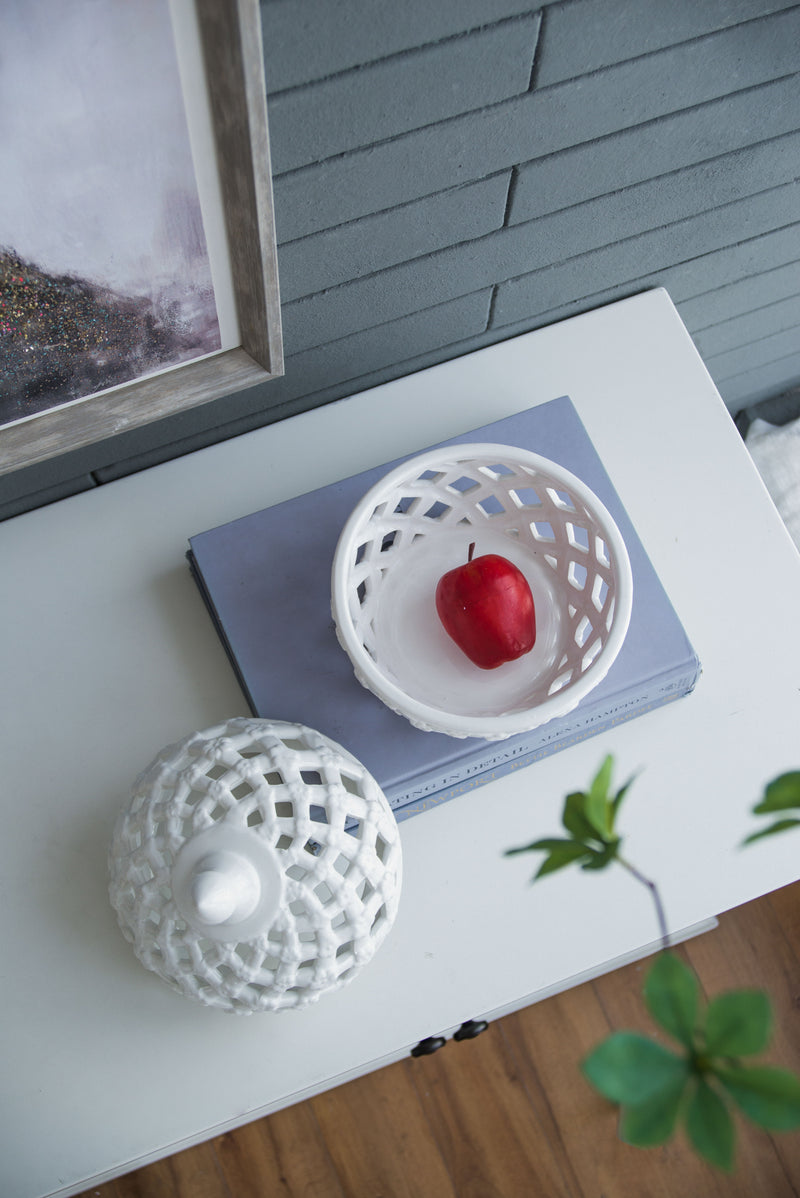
[{"x": 434, "y": 718}]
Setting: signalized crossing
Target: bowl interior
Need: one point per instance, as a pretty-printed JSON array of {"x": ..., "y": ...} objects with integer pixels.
[
  {"x": 413, "y": 650},
  {"x": 418, "y": 524}
]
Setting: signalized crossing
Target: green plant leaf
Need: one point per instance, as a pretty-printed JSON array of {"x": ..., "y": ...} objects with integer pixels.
[
  {"x": 562, "y": 853},
  {"x": 671, "y": 994},
  {"x": 630, "y": 1069},
  {"x": 542, "y": 845},
  {"x": 783, "y": 792},
  {"x": 600, "y": 858},
  {"x": 710, "y": 1126},
  {"x": 598, "y": 810},
  {"x": 574, "y": 817},
  {"x": 780, "y": 825},
  {"x": 738, "y": 1023},
  {"x": 521, "y": 848},
  {"x": 767, "y": 1095},
  {"x": 616, "y": 802},
  {"x": 652, "y": 1122},
  {"x": 546, "y": 843},
  {"x": 602, "y": 779}
]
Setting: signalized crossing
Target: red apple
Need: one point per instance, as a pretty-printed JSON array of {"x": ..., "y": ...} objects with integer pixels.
[{"x": 486, "y": 607}]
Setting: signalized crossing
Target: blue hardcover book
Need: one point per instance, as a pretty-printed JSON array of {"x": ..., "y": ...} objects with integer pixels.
[{"x": 266, "y": 581}]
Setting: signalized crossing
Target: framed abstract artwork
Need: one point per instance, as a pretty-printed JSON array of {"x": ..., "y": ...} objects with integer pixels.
[{"x": 138, "y": 270}]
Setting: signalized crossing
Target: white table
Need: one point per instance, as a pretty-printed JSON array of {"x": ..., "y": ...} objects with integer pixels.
[{"x": 108, "y": 654}]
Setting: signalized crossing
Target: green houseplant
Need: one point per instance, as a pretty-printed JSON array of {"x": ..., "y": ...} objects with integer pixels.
[
  {"x": 701, "y": 1081},
  {"x": 780, "y": 796}
]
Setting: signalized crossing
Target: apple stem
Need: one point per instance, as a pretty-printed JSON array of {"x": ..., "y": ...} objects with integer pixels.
[{"x": 471, "y": 551}]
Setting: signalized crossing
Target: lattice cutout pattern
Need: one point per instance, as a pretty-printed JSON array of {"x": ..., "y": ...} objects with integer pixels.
[
  {"x": 336, "y": 839},
  {"x": 534, "y": 506}
]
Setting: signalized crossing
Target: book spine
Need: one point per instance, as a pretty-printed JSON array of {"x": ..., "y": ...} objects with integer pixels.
[
  {"x": 215, "y": 620},
  {"x": 497, "y": 761}
]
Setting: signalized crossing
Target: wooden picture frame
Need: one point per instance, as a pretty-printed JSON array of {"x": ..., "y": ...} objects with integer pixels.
[{"x": 230, "y": 34}]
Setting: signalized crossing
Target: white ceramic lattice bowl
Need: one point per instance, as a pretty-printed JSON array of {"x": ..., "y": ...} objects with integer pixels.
[
  {"x": 416, "y": 524},
  {"x": 257, "y": 866}
]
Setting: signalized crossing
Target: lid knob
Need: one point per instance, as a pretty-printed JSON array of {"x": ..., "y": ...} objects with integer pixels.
[{"x": 225, "y": 887}]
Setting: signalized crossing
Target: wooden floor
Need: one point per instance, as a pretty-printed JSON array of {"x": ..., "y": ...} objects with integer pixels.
[{"x": 508, "y": 1115}]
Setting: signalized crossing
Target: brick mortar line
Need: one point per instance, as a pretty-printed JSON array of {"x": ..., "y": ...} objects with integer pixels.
[
  {"x": 496, "y": 233},
  {"x": 636, "y": 282},
  {"x": 698, "y": 37},
  {"x": 475, "y": 112},
  {"x": 538, "y": 49},
  {"x": 681, "y": 262},
  {"x": 641, "y": 282},
  {"x": 726, "y": 378},
  {"x": 519, "y": 18},
  {"x": 380, "y": 212},
  {"x": 514, "y": 180},
  {"x": 408, "y": 52},
  {"x": 516, "y": 168},
  {"x": 675, "y": 170},
  {"x": 750, "y": 311},
  {"x": 492, "y": 302}
]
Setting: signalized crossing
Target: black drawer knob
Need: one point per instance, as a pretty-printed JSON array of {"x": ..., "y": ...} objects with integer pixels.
[
  {"x": 470, "y": 1029},
  {"x": 426, "y": 1047}
]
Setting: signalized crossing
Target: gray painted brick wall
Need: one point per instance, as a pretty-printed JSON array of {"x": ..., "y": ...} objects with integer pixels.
[
  {"x": 447, "y": 175},
  {"x": 318, "y": 38},
  {"x": 591, "y": 34},
  {"x": 384, "y": 99},
  {"x": 406, "y": 232}
]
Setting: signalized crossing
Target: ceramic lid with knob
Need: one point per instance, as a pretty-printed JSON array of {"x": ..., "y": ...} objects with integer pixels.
[{"x": 256, "y": 867}]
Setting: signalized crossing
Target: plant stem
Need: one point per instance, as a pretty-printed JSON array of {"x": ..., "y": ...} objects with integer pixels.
[{"x": 654, "y": 892}]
